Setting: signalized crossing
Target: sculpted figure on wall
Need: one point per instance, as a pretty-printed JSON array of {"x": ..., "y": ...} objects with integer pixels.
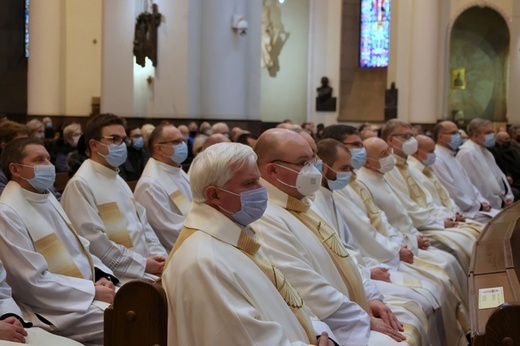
[
  {"x": 274, "y": 36},
  {"x": 145, "y": 36}
]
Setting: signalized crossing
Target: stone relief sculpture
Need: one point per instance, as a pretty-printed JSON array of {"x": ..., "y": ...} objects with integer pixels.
[
  {"x": 145, "y": 36},
  {"x": 274, "y": 36}
]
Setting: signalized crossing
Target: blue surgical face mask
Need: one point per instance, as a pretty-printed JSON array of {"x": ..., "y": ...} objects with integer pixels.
[
  {"x": 116, "y": 154},
  {"x": 430, "y": 159},
  {"x": 253, "y": 204},
  {"x": 341, "y": 182},
  {"x": 489, "y": 140},
  {"x": 180, "y": 153},
  {"x": 44, "y": 176},
  {"x": 138, "y": 143},
  {"x": 456, "y": 141},
  {"x": 319, "y": 165},
  {"x": 359, "y": 157}
]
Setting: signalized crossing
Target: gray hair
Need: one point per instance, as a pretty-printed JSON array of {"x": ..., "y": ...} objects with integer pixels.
[
  {"x": 475, "y": 125},
  {"x": 68, "y": 131},
  {"x": 390, "y": 126},
  {"x": 216, "y": 166}
]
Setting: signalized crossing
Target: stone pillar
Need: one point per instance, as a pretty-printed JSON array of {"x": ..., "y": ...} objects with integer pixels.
[
  {"x": 117, "y": 83},
  {"x": 324, "y": 55},
  {"x": 45, "y": 63},
  {"x": 424, "y": 66},
  {"x": 513, "y": 108},
  {"x": 230, "y": 63},
  {"x": 414, "y": 59}
]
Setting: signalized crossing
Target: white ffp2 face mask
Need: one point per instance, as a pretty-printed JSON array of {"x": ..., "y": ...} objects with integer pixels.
[
  {"x": 410, "y": 146},
  {"x": 387, "y": 164},
  {"x": 308, "y": 180}
]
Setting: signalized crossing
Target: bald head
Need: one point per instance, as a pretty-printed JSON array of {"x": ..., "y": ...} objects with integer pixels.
[
  {"x": 502, "y": 136},
  {"x": 425, "y": 143},
  {"x": 281, "y": 155},
  {"x": 214, "y": 139},
  {"x": 376, "y": 149},
  {"x": 273, "y": 144},
  {"x": 308, "y": 138},
  {"x": 425, "y": 146}
]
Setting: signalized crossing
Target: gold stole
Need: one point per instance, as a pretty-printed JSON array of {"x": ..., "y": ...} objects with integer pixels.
[
  {"x": 153, "y": 170},
  {"x": 373, "y": 211},
  {"x": 65, "y": 219},
  {"x": 329, "y": 238},
  {"x": 445, "y": 199},
  {"x": 416, "y": 193},
  {"x": 250, "y": 247},
  {"x": 46, "y": 242}
]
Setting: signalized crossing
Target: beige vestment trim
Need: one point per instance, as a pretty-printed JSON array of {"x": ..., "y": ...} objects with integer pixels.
[
  {"x": 250, "y": 247},
  {"x": 115, "y": 224},
  {"x": 46, "y": 242},
  {"x": 373, "y": 211},
  {"x": 346, "y": 267},
  {"x": 416, "y": 193},
  {"x": 164, "y": 179},
  {"x": 445, "y": 199}
]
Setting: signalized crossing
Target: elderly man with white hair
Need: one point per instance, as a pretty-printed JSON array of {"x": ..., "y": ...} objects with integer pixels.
[
  {"x": 480, "y": 164},
  {"x": 218, "y": 259}
]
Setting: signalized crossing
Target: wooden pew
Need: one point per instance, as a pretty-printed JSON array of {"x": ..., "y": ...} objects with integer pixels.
[
  {"x": 132, "y": 184},
  {"x": 62, "y": 178},
  {"x": 496, "y": 263},
  {"x": 139, "y": 315}
]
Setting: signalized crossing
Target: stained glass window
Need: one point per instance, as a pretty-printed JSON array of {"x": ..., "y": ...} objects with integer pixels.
[
  {"x": 26, "y": 28},
  {"x": 374, "y": 42}
]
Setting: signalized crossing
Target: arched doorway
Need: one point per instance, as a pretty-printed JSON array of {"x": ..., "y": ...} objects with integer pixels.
[{"x": 478, "y": 66}]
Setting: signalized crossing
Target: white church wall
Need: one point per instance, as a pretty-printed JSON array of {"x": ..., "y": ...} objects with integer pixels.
[{"x": 284, "y": 89}]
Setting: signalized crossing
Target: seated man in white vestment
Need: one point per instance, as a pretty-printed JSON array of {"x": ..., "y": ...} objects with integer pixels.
[
  {"x": 421, "y": 165},
  {"x": 453, "y": 176},
  {"x": 292, "y": 235},
  {"x": 427, "y": 216},
  {"x": 481, "y": 167},
  {"x": 335, "y": 202},
  {"x": 49, "y": 267},
  {"x": 164, "y": 188},
  {"x": 221, "y": 288},
  {"x": 13, "y": 328},
  {"x": 400, "y": 228},
  {"x": 102, "y": 208}
]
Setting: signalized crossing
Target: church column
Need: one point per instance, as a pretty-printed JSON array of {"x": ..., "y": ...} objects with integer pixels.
[
  {"x": 414, "y": 62},
  {"x": 514, "y": 66},
  {"x": 230, "y": 63},
  {"x": 45, "y": 63},
  {"x": 117, "y": 82},
  {"x": 324, "y": 55}
]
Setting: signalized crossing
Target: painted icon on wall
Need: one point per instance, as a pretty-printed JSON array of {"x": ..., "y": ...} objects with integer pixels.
[{"x": 458, "y": 78}]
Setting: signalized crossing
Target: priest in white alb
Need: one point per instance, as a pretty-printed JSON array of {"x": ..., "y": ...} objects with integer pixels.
[
  {"x": 102, "y": 208},
  {"x": 164, "y": 188},
  {"x": 49, "y": 267},
  {"x": 379, "y": 193},
  {"x": 311, "y": 254},
  {"x": 453, "y": 176},
  {"x": 481, "y": 167},
  {"x": 420, "y": 164},
  {"x": 221, "y": 288},
  {"x": 426, "y": 215}
]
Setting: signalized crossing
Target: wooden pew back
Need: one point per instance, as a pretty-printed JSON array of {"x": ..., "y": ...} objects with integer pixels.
[
  {"x": 495, "y": 264},
  {"x": 139, "y": 315}
]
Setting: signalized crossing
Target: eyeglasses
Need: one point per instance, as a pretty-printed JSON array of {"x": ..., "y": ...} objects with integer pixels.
[
  {"x": 173, "y": 142},
  {"x": 117, "y": 139},
  {"x": 357, "y": 145},
  {"x": 299, "y": 164},
  {"x": 406, "y": 136}
]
